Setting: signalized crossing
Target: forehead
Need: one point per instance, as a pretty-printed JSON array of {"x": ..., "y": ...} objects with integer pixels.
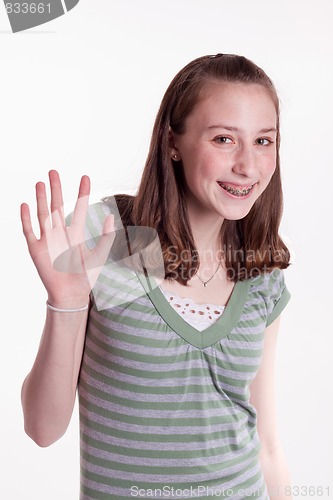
[{"x": 235, "y": 102}]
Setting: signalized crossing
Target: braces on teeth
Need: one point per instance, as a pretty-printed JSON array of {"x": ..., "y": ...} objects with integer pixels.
[{"x": 237, "y": 192}]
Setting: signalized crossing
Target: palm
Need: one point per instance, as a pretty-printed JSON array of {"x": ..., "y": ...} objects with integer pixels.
[{"x": 67, "y": 268}]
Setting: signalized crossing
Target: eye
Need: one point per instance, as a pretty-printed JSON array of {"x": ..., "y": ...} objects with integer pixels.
[
  {"x": 264, "y": 141},
  {"x": 221, "y": 139}
]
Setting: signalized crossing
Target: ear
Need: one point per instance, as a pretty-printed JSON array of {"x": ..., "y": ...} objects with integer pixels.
[{"x": 174, "y": 152}]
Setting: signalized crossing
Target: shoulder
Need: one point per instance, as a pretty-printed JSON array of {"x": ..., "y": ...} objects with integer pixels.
[{"x": 271, "y": 291}]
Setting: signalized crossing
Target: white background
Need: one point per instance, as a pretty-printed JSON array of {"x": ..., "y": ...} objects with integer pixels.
[{"x": 80, "y": 94}]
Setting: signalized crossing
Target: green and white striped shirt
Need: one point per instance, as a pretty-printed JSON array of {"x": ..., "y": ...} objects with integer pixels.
[{"x": 164, "y": 408}]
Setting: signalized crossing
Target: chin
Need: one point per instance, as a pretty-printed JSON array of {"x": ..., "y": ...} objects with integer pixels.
[{"x": 236, "y": 216}]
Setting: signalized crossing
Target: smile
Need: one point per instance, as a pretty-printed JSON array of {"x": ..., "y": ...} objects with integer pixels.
[{"x": 237, "y": 191}]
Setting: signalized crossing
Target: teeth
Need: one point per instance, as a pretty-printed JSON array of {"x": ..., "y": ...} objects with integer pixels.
[{"x": 237, "y": 191}]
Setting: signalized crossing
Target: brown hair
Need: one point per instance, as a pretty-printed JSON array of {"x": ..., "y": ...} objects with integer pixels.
[{"x": 251, "y": 245}]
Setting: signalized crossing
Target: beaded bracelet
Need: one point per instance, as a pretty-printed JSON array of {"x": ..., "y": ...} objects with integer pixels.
[{"x": 66, "y": 310}]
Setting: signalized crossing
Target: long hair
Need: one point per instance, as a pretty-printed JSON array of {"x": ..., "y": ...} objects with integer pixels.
[{"x": 251, "y": 245}]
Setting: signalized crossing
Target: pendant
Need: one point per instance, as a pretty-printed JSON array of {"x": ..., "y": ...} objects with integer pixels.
[{"x": 205, "y": 283}]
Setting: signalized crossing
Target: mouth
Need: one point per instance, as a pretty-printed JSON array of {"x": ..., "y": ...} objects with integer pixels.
[{"x": 240, "y": 191}]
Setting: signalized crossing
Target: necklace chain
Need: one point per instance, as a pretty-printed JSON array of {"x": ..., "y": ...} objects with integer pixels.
[{"x": 207, "y": 281}]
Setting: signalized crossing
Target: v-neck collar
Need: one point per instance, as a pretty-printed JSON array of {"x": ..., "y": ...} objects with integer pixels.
[{"x": 211, "y": 335}]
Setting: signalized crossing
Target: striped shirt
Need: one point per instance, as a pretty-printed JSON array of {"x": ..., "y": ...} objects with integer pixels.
[{"x": 164, "y": 408}]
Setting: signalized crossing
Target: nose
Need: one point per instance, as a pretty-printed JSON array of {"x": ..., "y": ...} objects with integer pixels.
[{"x": 244, "y": 161}]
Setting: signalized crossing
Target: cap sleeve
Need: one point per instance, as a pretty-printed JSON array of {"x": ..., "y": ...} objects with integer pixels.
[
  {"x": 277, "y": 296},
  {"x": 270, "y": 294}
]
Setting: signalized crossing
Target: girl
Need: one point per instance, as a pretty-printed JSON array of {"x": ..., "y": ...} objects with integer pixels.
[{"x": 175, "y": 372}]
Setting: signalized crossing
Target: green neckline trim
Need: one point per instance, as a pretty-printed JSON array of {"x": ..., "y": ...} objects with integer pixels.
[{"x": 191, "y": 335}]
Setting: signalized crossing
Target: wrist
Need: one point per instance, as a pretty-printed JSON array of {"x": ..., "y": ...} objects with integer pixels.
[
  {"x": 68, "y": 303},
  {"x": 67, "y": 310}
]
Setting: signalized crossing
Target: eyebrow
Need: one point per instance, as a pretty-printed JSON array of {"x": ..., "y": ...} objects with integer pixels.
[{"x": 235, "y": 129}]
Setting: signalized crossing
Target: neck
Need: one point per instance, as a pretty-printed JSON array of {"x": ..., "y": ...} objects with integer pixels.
[{"x": 206, "y": 235}]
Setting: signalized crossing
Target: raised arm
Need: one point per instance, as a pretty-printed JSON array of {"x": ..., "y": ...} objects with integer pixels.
[{"x": 68, "y": 271}]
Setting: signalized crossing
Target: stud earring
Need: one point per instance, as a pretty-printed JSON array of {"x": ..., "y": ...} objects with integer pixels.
[{"x": 175, "y": 157}]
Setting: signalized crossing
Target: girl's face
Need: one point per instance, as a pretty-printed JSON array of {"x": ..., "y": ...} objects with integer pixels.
[{"x": 228, "y": 149}]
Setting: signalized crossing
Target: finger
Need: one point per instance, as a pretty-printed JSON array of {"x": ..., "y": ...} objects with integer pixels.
[
  {"x": 105, "y": 242},
  {"x": 42, "y": 209},
  {"x": 26, "y": 224},
  {"x": 108, "y": 225},
  {"x": 57, "y": 204},
  {"x": 100, "y": 253},
  {"x": 81, "y": 206},
  {"x": 63, "y": 238}
]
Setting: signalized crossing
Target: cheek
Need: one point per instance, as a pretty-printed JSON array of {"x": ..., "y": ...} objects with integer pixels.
[
  {"x": 269, "y": 166},
  {"x": 271, "y": 169},
  {"x": 268, "y": 174}
]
